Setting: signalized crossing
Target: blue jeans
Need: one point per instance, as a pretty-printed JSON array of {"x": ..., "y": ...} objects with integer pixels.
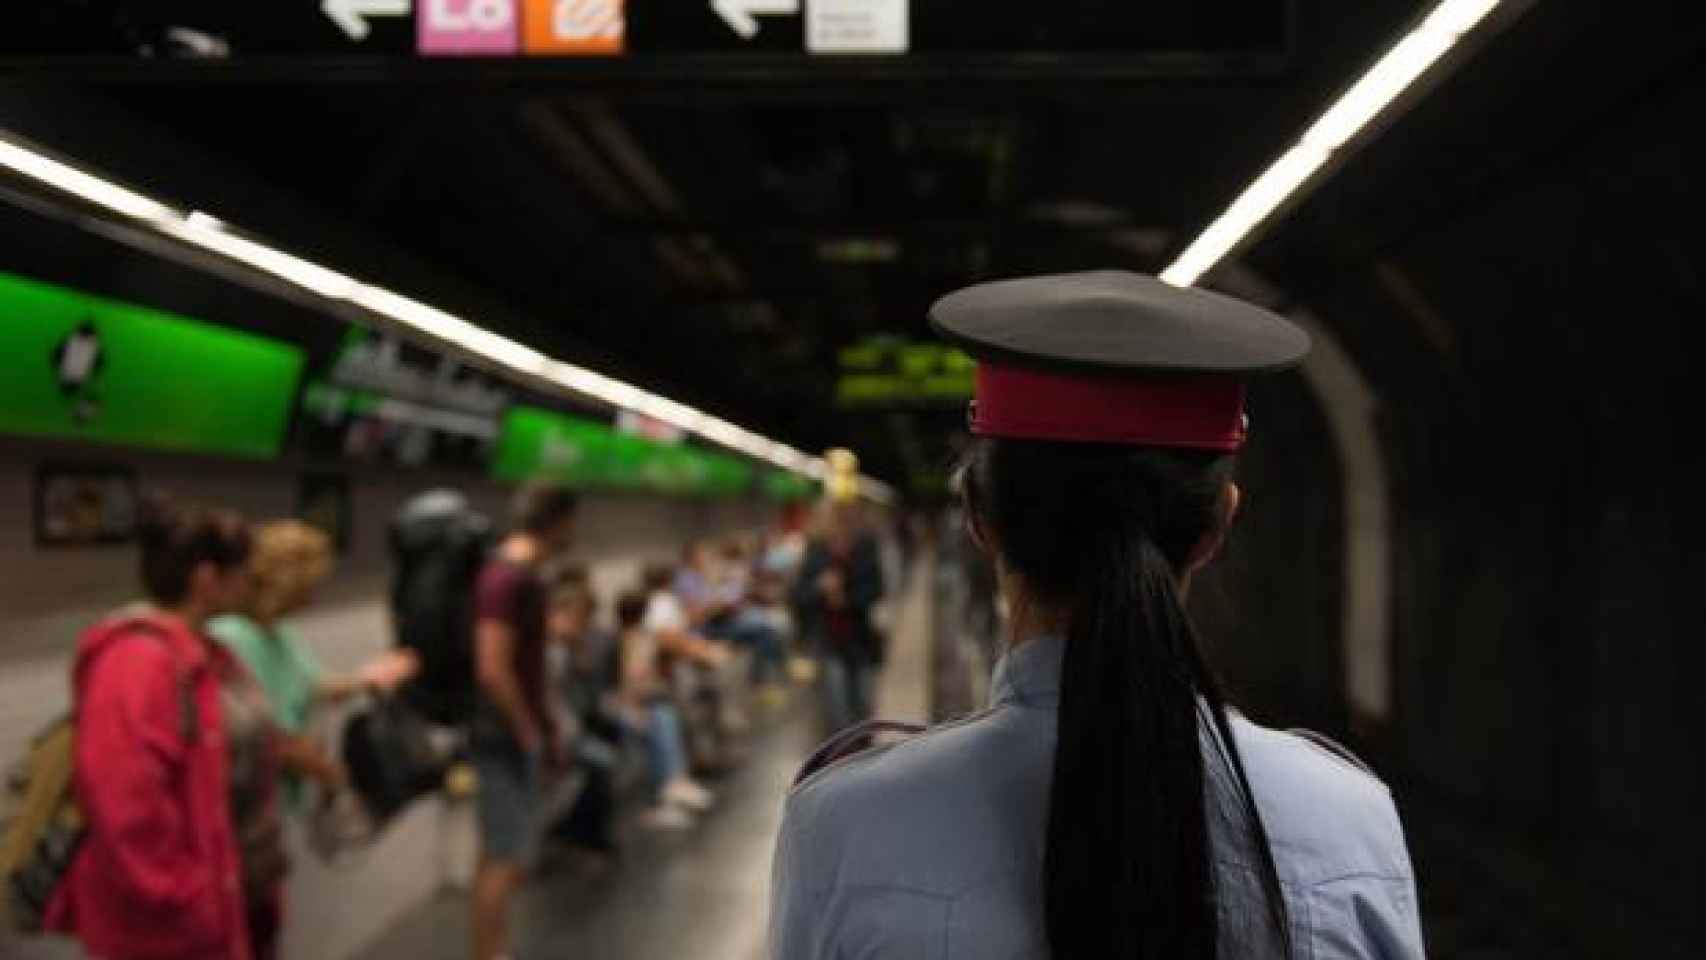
[
  {"x": 849, "y": 691},
  {"x": 751, "y": 630},
  {"x": 666, "y": 751}
]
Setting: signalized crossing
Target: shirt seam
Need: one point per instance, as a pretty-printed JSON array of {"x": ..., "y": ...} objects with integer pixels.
[
  {"x": 1359, "y": 875},
  {"x": 948, "y": 927},
  {"x": 871, "y": 755},
  {"x": 898, "y": 888},
  {"x": 1308, "y": 901}
]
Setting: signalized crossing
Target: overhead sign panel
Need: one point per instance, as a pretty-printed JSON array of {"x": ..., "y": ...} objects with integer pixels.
[
  {"x": 469, "y": 27},
  {"x": 355, "y": 17},
  {"x": 858, "y": 26},
  {"x": 890, "y": 372},
  {"x": 220, "y": 29},
  {"x": 742, "y": 15},
  {"x": 574, "y": 27}
]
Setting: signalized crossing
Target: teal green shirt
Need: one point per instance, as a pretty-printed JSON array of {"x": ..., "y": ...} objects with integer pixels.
[{"x": 285, "y": 670}]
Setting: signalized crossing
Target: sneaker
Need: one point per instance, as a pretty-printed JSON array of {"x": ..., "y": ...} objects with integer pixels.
[
  {"x": 688, "y": 794},
  {"x": 666, "y": 816}
]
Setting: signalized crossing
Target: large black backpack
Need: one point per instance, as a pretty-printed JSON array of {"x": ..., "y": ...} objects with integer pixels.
[{"x": 438, "y": 543}]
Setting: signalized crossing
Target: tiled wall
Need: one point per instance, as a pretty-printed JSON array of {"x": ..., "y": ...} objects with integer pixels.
[{"x": 48, "y": 595}]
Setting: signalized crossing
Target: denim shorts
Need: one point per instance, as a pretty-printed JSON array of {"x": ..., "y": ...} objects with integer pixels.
[{"x": 508, "y": 796}]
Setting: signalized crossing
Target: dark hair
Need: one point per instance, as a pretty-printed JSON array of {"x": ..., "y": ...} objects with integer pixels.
[
  {"x": 1102, "y": 533},
  {"x": 579, "y": 595},
  {"x": 658, "y": 576},
  {"x": 630, "y": 610},
  {"x": 571, "y": 574},
  {"x": 540, "y": 505},
  {"x": 177, "y": 538}
]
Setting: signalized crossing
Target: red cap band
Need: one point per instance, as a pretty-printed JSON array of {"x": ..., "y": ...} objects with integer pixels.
[{"x": 1200, "y": 412}]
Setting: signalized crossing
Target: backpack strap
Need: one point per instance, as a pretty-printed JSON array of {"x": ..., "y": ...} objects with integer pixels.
[
  {"x": 189, "y": 715},
  {"x": 851, "y": 742}
]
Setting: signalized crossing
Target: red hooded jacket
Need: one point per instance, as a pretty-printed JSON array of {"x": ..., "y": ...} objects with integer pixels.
[{"x": 158, "y": 874}]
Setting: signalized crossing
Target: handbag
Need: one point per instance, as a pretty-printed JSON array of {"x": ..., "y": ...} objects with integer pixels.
[{"x": 388, "y": 749}]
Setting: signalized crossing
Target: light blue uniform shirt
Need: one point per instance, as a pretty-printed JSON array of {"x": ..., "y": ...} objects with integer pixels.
[{"x": 932, "y": 849}]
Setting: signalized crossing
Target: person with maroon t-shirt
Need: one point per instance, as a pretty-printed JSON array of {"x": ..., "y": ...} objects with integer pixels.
[{"x": 514, "y": 741}]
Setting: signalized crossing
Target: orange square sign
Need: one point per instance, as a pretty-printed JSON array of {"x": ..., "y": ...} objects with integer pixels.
[{"x": 573, "y": 27}]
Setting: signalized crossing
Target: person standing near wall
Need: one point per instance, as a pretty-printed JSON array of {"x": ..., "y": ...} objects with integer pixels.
[
  {"x": 159, "y": 872},
  {"x": 840, "y": 581},
  {"x": 514, "y": 739}
]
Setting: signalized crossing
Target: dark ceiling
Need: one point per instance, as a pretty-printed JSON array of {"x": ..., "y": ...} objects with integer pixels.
[{"x": 720, "y": 240}]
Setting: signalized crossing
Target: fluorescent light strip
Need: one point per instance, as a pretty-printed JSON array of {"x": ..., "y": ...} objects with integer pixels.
[
  {"x": 1372, "y": 93},
  {"x": 79, "y": 184},
  {"x": 209, "y": 233}
]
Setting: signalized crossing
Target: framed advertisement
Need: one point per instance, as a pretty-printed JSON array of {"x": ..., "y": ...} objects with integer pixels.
[{"x": 78, "y": 504}]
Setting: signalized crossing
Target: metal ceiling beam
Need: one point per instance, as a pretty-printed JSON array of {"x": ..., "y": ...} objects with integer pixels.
[{"x": 744, "y": 77}]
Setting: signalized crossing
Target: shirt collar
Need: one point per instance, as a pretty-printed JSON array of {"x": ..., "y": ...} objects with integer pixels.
[{"x": 1029, "y": 673}]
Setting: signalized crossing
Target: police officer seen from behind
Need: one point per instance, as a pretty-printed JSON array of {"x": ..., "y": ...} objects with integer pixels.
[{"x": 1108, "y": 803}]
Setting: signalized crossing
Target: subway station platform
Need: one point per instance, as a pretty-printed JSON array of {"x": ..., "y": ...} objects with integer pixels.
[{"x": 704, "y": 892}]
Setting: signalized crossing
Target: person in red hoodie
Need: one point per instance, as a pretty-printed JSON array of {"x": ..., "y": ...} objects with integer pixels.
[{"x": 159, "y": 871}]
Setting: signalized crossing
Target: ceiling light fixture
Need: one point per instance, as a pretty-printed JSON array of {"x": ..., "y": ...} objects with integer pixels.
[
  {"x": 1349, "y": 115},
  {"x": 208, "y": 233}
]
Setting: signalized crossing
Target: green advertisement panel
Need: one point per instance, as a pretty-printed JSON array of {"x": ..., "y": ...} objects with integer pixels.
[
  {"x": 586, "y": 455},
  {"x": 87, "y": 368},
  {"x": 788, "y": 487}
]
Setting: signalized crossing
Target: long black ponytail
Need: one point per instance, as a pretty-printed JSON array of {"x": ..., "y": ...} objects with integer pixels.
[{"x": 1101, "y": 534}]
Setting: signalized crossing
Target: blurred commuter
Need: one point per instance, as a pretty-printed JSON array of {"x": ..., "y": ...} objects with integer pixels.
[
  {"x": 585, "y": 663},
  {"x": 839, "y": 582},
  {"x": 753, "y": 623},
  {"x": 514, "y": 739},
  {"x": 172, "y": 763},
  {"x": 1108, "y": 804},
  {"x": 698, "y": 671},
  {"x": 714, "y": 587},
  {"x": 287, "y": 561},
  {"x": 438, "y": 544},
  {"x": 650, "y": 714}
]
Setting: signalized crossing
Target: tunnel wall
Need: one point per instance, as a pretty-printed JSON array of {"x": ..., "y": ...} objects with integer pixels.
[
  {"x": 1536, "y": 345},
  {"x": 1275, "y": 637},
  {"x": 49, "y": 595}
]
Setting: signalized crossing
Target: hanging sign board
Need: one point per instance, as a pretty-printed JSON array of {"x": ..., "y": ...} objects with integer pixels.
[
  {"x": 857, "y": 26},
  {"x": 153, "y": 31}
]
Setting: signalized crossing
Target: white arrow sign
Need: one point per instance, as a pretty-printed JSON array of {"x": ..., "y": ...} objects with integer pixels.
[
  {"x": 742, "y": 15},
  {"x": 351, "y": 15}
]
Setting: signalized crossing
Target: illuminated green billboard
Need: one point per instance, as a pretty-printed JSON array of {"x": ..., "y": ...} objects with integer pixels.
[
  {"x": 788, "y": 487},
  {"x": 88, "y": 368},
  {"x": 586, "y": 455}
]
